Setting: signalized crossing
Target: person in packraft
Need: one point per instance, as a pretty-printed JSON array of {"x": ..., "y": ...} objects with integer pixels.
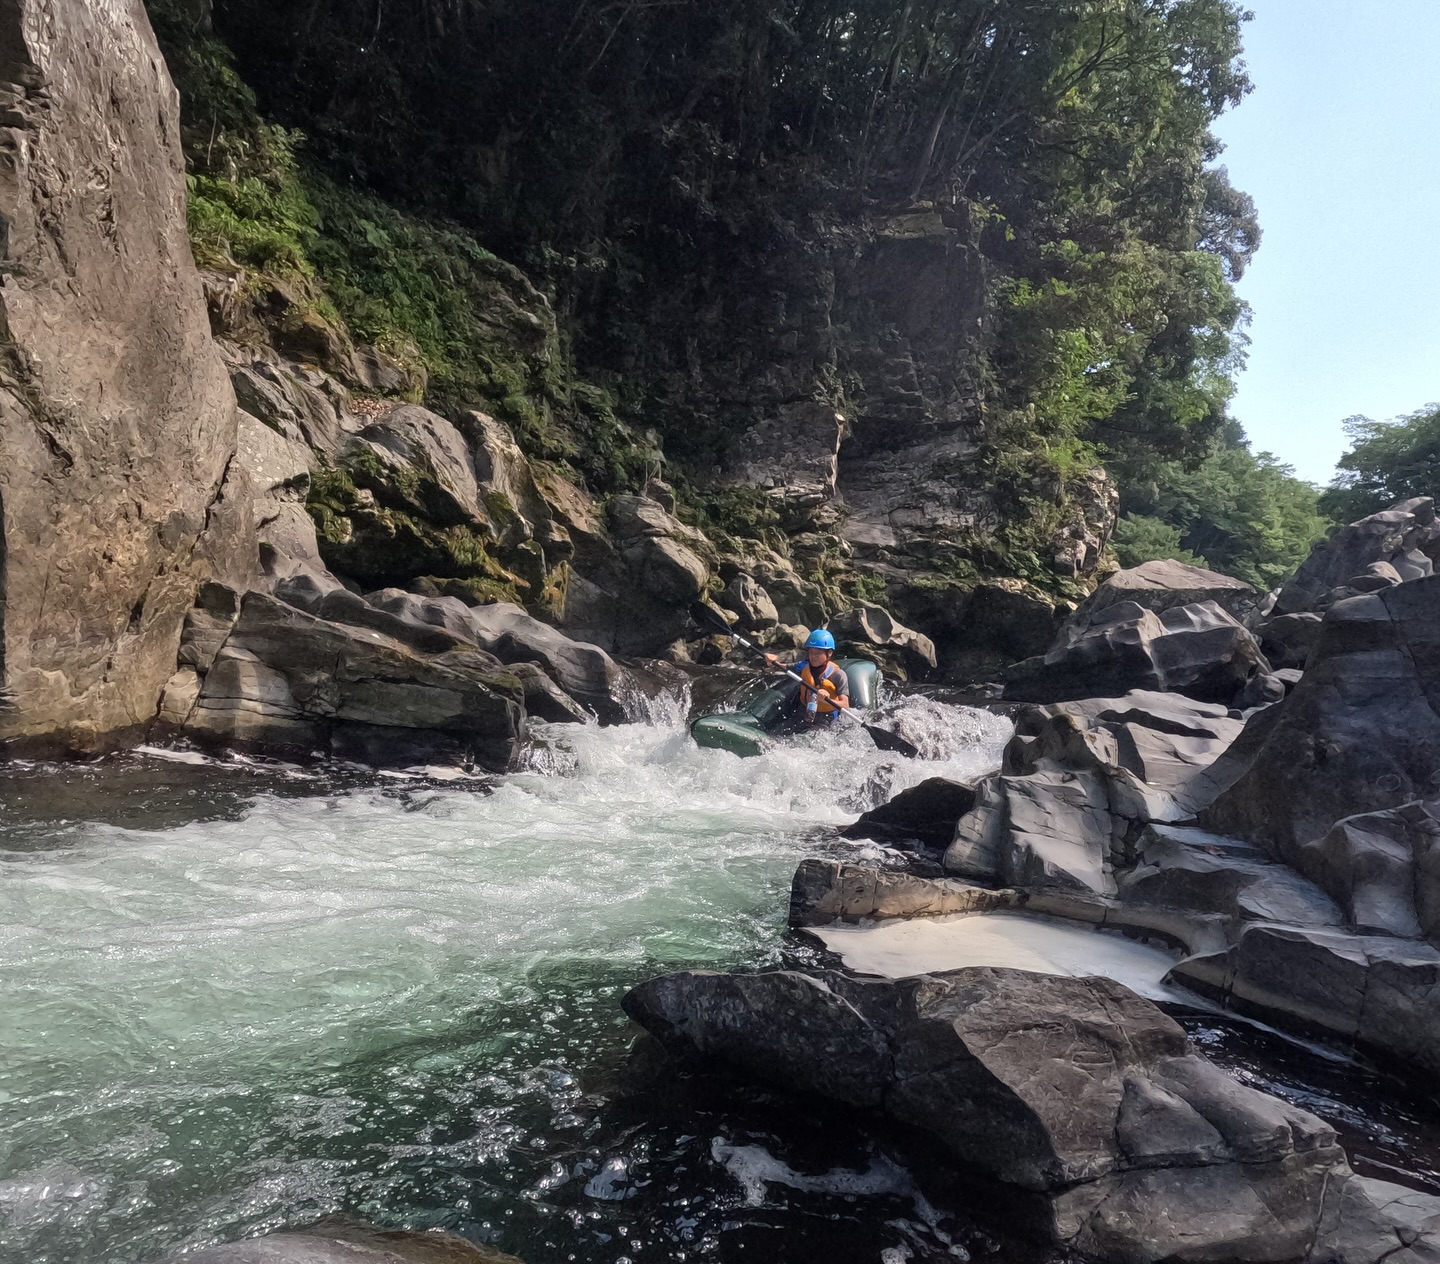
[{"x": 826, "y": 689}]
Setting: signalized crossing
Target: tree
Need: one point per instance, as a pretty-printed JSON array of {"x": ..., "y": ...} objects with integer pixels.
[{"x": 1388, "y": 461}]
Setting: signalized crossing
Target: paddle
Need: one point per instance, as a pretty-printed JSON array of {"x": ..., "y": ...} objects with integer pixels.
[{"x": 883, "y": 738}]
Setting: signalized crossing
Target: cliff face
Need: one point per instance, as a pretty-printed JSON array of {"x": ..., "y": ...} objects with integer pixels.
[{"x": 117, "y": 421}]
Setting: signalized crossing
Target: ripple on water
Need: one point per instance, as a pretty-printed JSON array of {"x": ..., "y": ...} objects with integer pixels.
[{"x": 295, "y": 995}]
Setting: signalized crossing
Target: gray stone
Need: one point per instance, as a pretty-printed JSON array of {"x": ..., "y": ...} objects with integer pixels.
[
  {"x": 826, "y": 891},
  {"x": 1197, "y": 650},
  {"x": 117, "y": 420},
  {"x": 1288, "y": 640},
  {"x": 290, "y": 682},
  {"x": 1159, "y": 586},
  {"x": 1383, "y": 868},
  {"x": 417, "y": 461},
  {"x": 872, "y": 626},
  {"x": 279, "y": 467},
  {"x": 1360, "y": 732},
  {"x": 750, "y": 603},
  {"x": 512, "y": 497},
  {"x": 1074, "y": 1089},
  {"x": 927, "y": 813},
  {"x": 585, "y": 672},
  {"x": 1366, "y": 1221},
  {"x": 1393, "y": 535}
]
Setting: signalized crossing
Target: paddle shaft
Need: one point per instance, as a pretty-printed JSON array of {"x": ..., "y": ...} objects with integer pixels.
[{"x": 795, "y": 676}]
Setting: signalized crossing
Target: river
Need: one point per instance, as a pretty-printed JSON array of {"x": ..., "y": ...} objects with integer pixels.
[{"x": 235, "y": 997}]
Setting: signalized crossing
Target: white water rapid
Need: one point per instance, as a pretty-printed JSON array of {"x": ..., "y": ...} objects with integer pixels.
[{"x": 396, "y": 998}]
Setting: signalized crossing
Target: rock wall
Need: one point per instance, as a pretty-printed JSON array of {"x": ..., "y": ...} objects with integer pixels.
[{"x": 117, "y": 421}]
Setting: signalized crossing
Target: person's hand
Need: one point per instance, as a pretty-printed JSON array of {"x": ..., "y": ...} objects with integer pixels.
[{"x": 772, "y": 659}]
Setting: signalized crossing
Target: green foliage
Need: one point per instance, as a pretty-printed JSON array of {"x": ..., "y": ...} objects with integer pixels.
[
  {"x": 1139, "y": 538},
  {"x": 1243, "y": 514},
  {"x": 1388, "y": 461}
]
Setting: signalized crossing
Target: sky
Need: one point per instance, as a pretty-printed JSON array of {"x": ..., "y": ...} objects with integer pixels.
[{"x": 1339, "y": 144}]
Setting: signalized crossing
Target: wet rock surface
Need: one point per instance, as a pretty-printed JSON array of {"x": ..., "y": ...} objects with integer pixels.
[
  {"x": 338, "y": 1241},
  {"x": 1076, "y": 1090}
]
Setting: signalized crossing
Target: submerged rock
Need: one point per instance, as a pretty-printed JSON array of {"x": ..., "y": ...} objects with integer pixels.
[
  {"x": 342, "y": 1241},
  {"x": 1075, "y": 1090}
]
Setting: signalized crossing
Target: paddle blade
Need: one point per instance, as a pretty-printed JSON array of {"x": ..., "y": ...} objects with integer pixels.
[
  {"x": 888, "y": 741},
  {"x": 710, "y": 619}
]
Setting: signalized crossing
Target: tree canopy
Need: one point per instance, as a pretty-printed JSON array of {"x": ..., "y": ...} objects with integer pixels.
[{"x": 1388, "y": 461}]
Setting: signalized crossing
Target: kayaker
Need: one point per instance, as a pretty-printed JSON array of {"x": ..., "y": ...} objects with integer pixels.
[{"x": 826, "y": 690}]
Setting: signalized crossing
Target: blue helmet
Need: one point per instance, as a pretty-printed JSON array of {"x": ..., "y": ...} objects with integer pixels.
[{"x": 819, "y": 640}]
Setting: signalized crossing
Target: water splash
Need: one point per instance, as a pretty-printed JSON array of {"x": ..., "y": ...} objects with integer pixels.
[{"x": 380, "y": 994}]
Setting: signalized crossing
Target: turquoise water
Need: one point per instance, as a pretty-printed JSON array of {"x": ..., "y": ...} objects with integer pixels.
[{"x": 237, "y": 998}]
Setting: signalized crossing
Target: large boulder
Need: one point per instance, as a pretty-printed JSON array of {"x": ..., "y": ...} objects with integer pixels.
[
  {"x": 1405, "y": 537},
  {"x": 415, "y": 460},
  {"x": 292, "y": 683},
  {"x": 585, "y": 672},
  {"x": 118, "y": 492},
  {"x": 1198, "y": 650},
  {"x": 1078, "y": 782},
  {"x": 868, "y": 628},
  {"x": 927, "y": 813},
  {"x": 1359, "y": 733},
  {"x": 1074, "y": 1089},
  {"x": 1163, "y": 585}
]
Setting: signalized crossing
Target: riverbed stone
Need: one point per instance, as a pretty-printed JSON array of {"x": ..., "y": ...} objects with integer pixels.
[
  {"x": 1075, "y": 1089},
  {"x": 1161, "y": 585},
  {"x": 338, "y": 1240}
]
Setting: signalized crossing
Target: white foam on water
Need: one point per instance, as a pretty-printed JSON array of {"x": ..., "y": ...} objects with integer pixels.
[
  {"x": 1018, "y": 941},
  {"x": 147, "y": 973}
]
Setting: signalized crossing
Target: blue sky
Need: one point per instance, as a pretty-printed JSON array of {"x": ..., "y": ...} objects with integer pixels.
[{"x": 1339, "y": 144}]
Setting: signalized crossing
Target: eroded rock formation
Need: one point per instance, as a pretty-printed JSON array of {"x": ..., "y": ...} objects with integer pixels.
[{"x": 118, "y": 489}]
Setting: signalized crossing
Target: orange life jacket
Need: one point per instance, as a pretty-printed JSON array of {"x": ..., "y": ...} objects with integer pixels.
[{"x": 824, "y": 692}]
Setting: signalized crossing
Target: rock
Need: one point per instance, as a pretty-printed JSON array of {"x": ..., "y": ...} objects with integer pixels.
[
  {"x": 927, "y": 813},
  {"x": 416, "y": 461},
  {"x": 1407, "y": 532},
  {"x": 1375, "y": 990},
  {"x": 1012, "y": 616},
  {"x": 339, "y": 1240},
  {"x": 750, "y": 603},
  {"x": 515, "y": 505},
  {"x": 1197, "y": 875},
  {"x": 1288, "y": 640},
  {"x": 660, "y": 550},
  {"x": 794, "y": 454},
  {"x": 1197, "y": 650},
  {"x": 1376, "y": 576},
  {"x": 117, "y": 420},
  {"x": 1079, "y": 778},
  {"x": 292, "y": 683},
  {"x": 1383, "y": 868},
  {"x": 279, "y": 467},
  {"x": 1360, "y": 733},
  {"x": 585, "y": 672},
  {"x": 826, "y": 891},
  {"x": 371, "y": 369},
  {"x": 296, "y": 403},
  {"x": 1161, "y": 586},
  {"x": 1075, "y": 1089},
  {"x": 1262, "y": 691},
  {"x": 544, "y": 699},
  {"x": 869, "y": 626},
  {"x": 1372, "y": 1220}
]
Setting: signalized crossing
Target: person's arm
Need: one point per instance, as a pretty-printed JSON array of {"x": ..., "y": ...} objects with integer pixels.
[{"x": 842, "y": 687}]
